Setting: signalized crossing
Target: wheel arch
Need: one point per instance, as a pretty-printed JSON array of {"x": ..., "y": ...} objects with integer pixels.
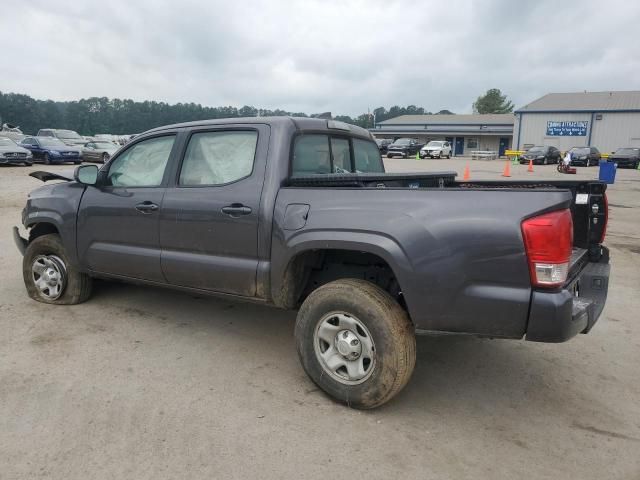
[{"x": 362, "y": 255}]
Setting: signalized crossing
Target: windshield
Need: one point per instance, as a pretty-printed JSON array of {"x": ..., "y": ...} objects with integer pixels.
[
  {"x": 580, "y": 150},
  {"x": 537, "y": 150},
  {"x": 50, "y": 142},
  {"x": 434, "y": 144},
  {"x": 627, "y": 151},
  {"x": 68, "y": 135},
  {"x": 7, "y": 142},
  {"x": 402, "y": 141}
]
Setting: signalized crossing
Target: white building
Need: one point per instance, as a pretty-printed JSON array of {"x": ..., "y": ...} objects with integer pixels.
[{"x": 605, "y": 120}]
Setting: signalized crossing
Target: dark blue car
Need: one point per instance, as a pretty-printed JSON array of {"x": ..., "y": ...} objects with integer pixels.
[{"x": 51, "y": 150}]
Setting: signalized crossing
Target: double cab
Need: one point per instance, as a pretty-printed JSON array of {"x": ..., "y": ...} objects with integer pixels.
[{"x": 298, "y": 213}]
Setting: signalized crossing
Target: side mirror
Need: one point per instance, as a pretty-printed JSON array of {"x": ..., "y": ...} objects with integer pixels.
[{"x": 86, "y": 174}]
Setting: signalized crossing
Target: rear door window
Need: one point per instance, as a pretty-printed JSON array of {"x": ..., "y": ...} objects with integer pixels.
[{"x": 218, "y": 158}]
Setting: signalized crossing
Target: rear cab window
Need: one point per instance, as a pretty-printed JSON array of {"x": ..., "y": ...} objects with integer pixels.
[{"x": 317, "y": 154}]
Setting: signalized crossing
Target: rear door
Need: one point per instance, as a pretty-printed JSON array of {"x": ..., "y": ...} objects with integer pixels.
[
  {"x": 118, "y": 220},
  {"x": 210, "y": 214}
]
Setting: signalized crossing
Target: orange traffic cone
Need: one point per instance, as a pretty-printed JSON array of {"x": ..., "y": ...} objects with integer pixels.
[
  {"x": 507, "y": 169},
  {"x": 466, "y": 176},
  {"x": 530, "y": 167}
]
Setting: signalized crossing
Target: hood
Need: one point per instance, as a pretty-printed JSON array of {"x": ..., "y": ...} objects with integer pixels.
[
  {"x": 13, "y": 148},
  {"x": 64, "y": 148},
  {"x": 623, "y": 155},
  {"x": 71, "y": 141},
  {"x": 432, "y": 147}
]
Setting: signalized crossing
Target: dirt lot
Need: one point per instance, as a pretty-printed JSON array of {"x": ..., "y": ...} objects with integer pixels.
[{"x": 148, "y": 383}]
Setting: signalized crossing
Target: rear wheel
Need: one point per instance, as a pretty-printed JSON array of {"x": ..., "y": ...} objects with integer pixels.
[
  {"x": 49, "y": 275},
  {"x": 355, "y": 342},
  {"x": 388, "y": 155}
]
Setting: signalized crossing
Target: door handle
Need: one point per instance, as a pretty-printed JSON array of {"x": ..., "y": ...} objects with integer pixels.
[
  {"x": 147, "y": 207},
  {"x": 236, "y": 210}
]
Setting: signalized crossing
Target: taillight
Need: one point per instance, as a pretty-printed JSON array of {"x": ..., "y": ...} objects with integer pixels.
[
  {"x": 606, "y": 217},
  {"x": 548, "y": 241}
]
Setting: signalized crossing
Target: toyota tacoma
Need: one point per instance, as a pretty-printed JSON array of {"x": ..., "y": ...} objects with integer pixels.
[{"x": 299, "y": 214}]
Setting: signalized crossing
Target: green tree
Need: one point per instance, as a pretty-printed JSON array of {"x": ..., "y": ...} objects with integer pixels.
[{"x": 492, "y": 102}]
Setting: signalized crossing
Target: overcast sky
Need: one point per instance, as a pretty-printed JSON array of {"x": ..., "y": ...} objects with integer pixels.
[{"x": 313, "y": 56}]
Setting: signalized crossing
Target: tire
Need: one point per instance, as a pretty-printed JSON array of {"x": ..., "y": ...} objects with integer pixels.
[
  {"x": 77, "y": 163},
  {"x": 544, "y": 161},
  {"x": 105, "y": 157},
  {"x": 388, "y": 155},
  {"x": 49, "y": 254},
  {"x": 383, "y": 330},
  {"x": 448, "y": 155},
  {"x": 47, "y": 160},
  {"x": 28, "y": 164}
]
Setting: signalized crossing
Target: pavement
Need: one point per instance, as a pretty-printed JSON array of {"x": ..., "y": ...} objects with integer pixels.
[{"x": 142, "y": 382}]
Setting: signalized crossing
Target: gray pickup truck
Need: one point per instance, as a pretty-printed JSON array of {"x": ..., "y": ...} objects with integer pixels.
[{"x": 298, "y": 213}]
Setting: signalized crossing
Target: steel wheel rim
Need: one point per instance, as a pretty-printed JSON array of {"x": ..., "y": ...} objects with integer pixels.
[
  {"x": 49, "y": 276},
  {"x": 344, "y": 348}
]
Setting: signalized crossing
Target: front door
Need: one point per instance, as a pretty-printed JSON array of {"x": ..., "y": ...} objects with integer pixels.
[
  {"x": 503, "y": 145},
  {"x": 118, "y": 220},
  {"x": 459, "y": 145},
  {"x": 209, "y": 221}
]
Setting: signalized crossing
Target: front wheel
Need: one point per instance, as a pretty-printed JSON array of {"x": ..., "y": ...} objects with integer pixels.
[
  {"x": 388, "y": 155},
  {"x": 49, "y": 275},
  {"x": 105, "y": 157},
  {"x": 355, "y": 342},
  {"x": 544, "y": 161},
  {"x": 47, "y": 160}
]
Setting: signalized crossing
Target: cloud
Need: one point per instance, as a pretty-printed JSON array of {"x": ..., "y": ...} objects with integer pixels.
[{"x": 312, "y": 56}]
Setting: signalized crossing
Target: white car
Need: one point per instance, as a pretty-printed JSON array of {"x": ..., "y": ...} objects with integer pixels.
[{"x": 436, "y": 149}]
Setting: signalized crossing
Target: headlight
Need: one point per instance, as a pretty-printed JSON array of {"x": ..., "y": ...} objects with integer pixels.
[{"x": 55, "y": 153}]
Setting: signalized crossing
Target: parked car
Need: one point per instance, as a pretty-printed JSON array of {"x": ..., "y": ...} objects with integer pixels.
[
  {"x": 436, "y": 149},
  {"x": 584, "y": 156},
  {"x": 99, "y": 151},
  {"x": 404, "y": 147},
  {"x": 13, "y": 154},
  {"x": 237, "y": 208},
  {"x": 51, "y": 150},
  {"x": 68, "y": 137},
  {"x": 543, "y": 154},
  {"x": 383, "y": 144},
  {"x": 626, "y": 157}
]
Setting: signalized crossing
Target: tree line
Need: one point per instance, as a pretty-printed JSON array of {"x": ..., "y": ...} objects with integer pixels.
[{"x": 89, "y": 116}]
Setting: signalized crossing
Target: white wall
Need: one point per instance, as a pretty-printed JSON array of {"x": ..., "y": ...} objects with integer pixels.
[{"x": 616, "y": 130}]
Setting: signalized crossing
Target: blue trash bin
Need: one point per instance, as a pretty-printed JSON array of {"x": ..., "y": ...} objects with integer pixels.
[{"x": 607, "y": 172}]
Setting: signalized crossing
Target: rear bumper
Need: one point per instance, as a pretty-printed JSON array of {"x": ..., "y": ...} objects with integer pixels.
[{"x": 558, "y": 316}]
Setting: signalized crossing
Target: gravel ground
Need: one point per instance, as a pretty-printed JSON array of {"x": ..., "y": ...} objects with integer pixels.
[{"x": 147, "y": 383}]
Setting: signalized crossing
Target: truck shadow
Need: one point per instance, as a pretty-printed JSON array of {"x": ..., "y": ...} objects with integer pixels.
[{"x": 453, "y": 373}]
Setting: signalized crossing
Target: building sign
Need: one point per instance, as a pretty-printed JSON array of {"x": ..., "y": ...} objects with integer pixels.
[{"x": 567, "y": 129}]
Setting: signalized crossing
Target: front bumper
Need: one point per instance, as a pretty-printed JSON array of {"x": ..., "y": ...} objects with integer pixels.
[
  {"x": 400, "y": 153},
  {"x": 21, "y": 243},
  {"x": 560, "y": 315},
  {"x": 15, "y": 160}
]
